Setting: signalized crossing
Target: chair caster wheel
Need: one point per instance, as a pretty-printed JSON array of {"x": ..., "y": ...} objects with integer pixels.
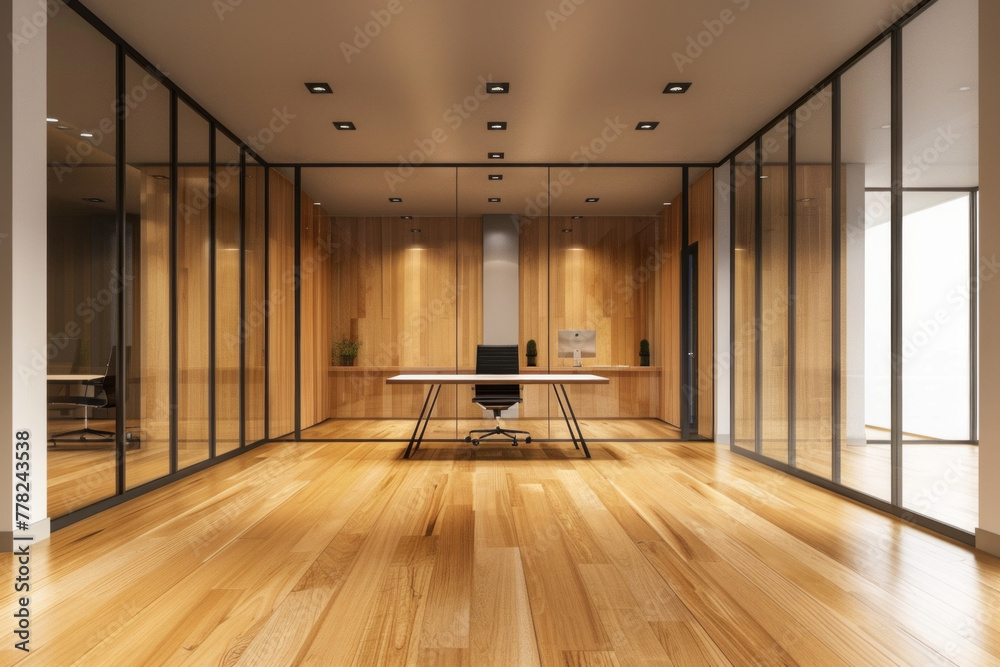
[
  {"x": 475, "y": 443},
  {"x": 527, "y": 440},
  {"x": 514, "y": 444},
  {"x": 468, "y": 438}
]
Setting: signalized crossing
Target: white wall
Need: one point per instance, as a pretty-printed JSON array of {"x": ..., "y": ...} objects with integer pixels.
[
  {"x": 988, "y": 535},
  {"x": 23, "y": 258}
]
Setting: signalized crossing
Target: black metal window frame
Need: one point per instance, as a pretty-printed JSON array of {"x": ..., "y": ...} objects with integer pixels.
[{"x": 894, "y": 36}]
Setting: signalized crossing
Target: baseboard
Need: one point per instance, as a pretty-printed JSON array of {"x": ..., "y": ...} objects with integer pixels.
[
  {"x": 38, "y": 531},
  {"x": 988, "y": 542},
  {"x": 723, "y": 439}
]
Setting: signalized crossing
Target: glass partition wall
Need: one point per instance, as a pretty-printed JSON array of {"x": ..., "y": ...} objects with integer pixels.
[
  {"x": 414, "y": 284},
  {"x": 855, "y": 271}
]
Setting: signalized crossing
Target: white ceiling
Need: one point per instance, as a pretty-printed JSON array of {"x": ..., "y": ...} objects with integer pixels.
[{"x": 415, "y": 90}]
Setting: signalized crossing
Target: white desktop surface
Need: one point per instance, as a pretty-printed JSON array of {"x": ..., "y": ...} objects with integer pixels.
[{"x": 73, "y": 378}]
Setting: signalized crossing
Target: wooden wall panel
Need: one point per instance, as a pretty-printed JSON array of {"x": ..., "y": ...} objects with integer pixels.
[
  {"x": 227, "y": 315},
  {"x": 316, "y": 290},
  {"x": 702, "y": 232},
  {"x": 281, "y": 306},
  {"x": 670, "y": 314},
  {"x": 192, "y": 314},
  {"x": 774, "y": 314},
  {"x": 152, "y": 317},
  {"x": 256, "y": 303}
]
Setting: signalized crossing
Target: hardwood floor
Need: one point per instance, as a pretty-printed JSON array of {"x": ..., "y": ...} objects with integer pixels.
[{"x": 649, "y": 553}]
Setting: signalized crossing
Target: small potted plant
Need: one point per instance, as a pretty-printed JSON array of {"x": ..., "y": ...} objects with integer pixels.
[
  {"x": 531, "y": 352},
  {"x": 643, "y": 352},
  {"x": 346, "y": 349}
]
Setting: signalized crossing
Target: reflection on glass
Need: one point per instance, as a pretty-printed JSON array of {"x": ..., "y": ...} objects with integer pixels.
[
  {"x": 395, "y": 292},
  {"x": 774, "y": 294},
  {"x": 84, "y": 274},
  {"x": 866, "y": 362},
  {"x": 938, "y": 479},
  {"x": 814, "y": 228},
  {"x": 192, "y": 295},
  {"x": 147, "y": 187},
  {"x": 744, "y": 301},
  {"x": 227, "y": 294}
]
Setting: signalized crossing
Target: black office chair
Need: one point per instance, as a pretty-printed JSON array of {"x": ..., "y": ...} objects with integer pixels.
[
  {"x": 99, "y": 393},
  {"x": 496, "y": 360}
]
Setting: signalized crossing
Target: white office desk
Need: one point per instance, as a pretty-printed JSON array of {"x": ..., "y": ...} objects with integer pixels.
[{"x": 558, "y": 382}]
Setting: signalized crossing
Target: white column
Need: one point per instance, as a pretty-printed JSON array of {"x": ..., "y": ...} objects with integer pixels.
[
  {"x": 988, "y": 533},
  {"x": 23, "y": 259},
  {"x": 723, "y": 359}
]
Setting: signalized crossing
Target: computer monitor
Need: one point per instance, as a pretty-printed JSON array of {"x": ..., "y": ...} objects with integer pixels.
[{"x": 576, "y": 343}]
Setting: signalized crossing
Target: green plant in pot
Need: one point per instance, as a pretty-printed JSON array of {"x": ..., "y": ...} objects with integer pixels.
[
  {"x": 643, "y": 352},
  {"x": 531, "y": 352},
  {"x": 346, "y": 350}
]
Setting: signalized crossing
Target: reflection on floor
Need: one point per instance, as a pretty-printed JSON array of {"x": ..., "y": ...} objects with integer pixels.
[
  {"x": 649, "y": 553},
  {"x": 939, "y": 481},
  {"x": 456, "y": 429}
]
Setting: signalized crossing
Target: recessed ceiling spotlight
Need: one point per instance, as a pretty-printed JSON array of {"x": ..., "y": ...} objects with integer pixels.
[
  {"x": 316, "y": 203},
  {"x": 495, "y": 177},
  {"x": 62, "y": 127},
  {"x": 86, "y": 134},
  {"x": 160, "y": 177},
  {"x": 567, "y": 230},
  {"x": 406, "y": 217},
  {"x": 497, "y": 87},
  {"x": 578, "y": 217},
  {"x": 344, "y": 125},
  {"x": 51, "y": 120},
  {"x": 495, "y": 156},
  {"x": 965, "y": 88},
  {"x": 415, "y": 230},
  {"x": 94, "y": 200},
  {"x": 763, "y": 176},
  {"x": 676, "y": 88},
  {"x": 496, "y": 125},
  {"x": 395, "y": 200},
  {"x": 806, "y": 200},
  {"x": 319, "y": 88},
  {"x": 494, "y": 200},
  {"x": 647, "y": 125},
  {"x": 591, "y": 200},
  {"x": 887, "y": 127}
]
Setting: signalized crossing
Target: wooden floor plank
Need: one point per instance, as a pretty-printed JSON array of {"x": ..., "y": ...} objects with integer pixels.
[{"x": 344, "y": 553}]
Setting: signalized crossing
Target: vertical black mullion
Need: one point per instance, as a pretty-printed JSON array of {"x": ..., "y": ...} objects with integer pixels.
[
  {"x": 732, "y": 303},
  {"x": 267, "y": 302},
  {"x": 174, "y": 192},
  {"x": 121, "y": 224},
  {"x": 791, "y": 216},
  {"x": 836, "y": 263},
  {"x": 974, "y": 316},
  {"x": 685, "y": 305},
  {"x": 896, "y": 264},
  {"x": 758, "y": 235},
  {"x": 244, "y": 330},
  {"x": 297, "y": 286},
  {"x": 212, "y": 323}
]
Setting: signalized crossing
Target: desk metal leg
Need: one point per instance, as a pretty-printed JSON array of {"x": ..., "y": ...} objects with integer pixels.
[
  {"x": 569, "y": 427},
  {"x": 434, "y": 390},
  {"x": 579, "y": 432}
]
